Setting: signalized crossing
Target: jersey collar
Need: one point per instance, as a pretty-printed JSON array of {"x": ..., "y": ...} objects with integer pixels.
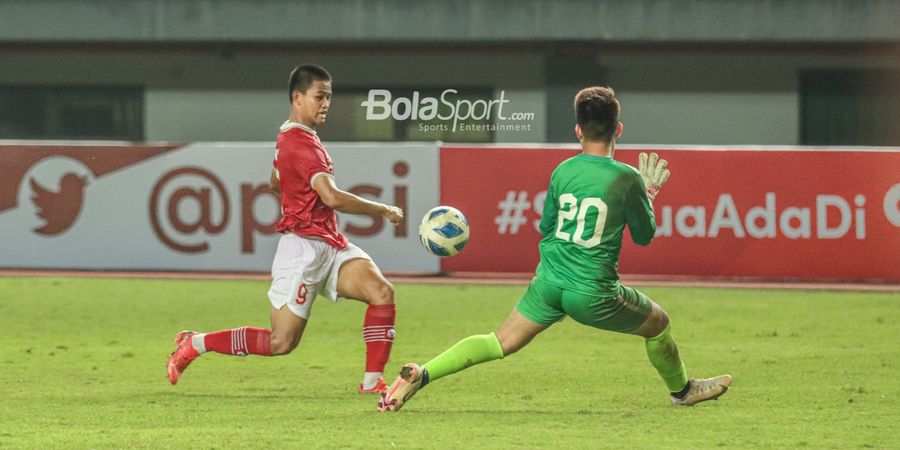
[
  {"x": 594, "y": 157},
  {"x": 287, "y": 125}
]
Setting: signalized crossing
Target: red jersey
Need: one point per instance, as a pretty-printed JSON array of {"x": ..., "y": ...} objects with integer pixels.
[{"x": 299, "y": 159}]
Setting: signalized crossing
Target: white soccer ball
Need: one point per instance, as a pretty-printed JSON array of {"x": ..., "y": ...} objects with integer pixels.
[{"x": 444, "y": 231}]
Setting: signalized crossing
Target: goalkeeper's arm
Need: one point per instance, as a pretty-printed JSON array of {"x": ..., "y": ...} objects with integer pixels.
[{"x": 639, "y": 214}]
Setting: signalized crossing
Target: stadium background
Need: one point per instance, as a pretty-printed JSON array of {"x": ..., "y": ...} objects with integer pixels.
[
  {"x": 203, "y": 83},
  {"x": 688, "y": 71}
]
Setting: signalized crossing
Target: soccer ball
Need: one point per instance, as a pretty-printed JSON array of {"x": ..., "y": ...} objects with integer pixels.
[{"x": 444, "y": 231}]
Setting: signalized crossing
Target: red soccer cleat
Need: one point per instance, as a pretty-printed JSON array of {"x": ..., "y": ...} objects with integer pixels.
[
  {"x": 182, "y": 357},
  {"x": 380, "y": 386}
]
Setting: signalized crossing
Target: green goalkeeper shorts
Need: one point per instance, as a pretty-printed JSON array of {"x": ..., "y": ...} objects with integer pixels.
[{"x": 546, "y": 304}]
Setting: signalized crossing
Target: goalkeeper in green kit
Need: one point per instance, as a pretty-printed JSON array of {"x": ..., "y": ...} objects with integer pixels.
[{"x": 591, "y": 199}]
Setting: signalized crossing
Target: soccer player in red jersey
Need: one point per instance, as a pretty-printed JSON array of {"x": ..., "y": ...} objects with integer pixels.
[{"x": 313, "y": 257}]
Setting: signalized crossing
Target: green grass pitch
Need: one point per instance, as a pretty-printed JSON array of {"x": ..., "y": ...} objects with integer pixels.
[{"x": 82, "y": 364}]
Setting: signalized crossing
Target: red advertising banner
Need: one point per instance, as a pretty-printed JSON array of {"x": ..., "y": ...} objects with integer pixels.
[{"x": 789, "y": 213}]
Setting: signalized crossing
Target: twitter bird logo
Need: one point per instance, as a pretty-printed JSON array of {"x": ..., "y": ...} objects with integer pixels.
[{"x": 58, "y": 209}]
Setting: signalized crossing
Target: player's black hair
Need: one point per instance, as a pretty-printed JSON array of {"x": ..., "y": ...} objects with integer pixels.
[
  {"x": 597, "y": 111},
  {"x": 303, "y": 76}
]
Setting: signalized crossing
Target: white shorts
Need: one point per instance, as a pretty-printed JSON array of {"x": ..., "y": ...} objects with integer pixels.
[{"x": 304, "y": 268}]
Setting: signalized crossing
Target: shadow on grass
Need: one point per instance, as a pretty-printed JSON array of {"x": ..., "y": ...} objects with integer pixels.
[
  {"x": 306, "y": 397},
  {"x": 506, "y": 413}
]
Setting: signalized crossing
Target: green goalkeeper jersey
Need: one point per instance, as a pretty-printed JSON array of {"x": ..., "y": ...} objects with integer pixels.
[{"x": 588, "y": 204}]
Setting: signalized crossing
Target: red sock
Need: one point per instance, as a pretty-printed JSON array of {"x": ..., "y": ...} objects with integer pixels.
[
  {"x": 240, "y": 341},
  {"x": 378, "y": 332}
]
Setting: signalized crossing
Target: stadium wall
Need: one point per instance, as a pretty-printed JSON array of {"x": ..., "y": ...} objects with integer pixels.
[
  {"x": 684, "y": 95},
  {"x": 734, "y": 212}
]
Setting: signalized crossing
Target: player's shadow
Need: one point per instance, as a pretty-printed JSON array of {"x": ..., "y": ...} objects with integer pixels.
[
  {"x": 292, "y": 397},
  {"x": 245, "y": 396},
  {"x": 511, "y": 413}
]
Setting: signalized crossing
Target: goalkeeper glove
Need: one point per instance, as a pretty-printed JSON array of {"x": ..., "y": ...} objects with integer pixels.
[{"x": 654, "y": 173}]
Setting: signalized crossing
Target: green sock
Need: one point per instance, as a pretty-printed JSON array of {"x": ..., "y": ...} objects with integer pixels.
[
  {"x": 465, "y": 353},
  {"x": 663, "y": 354}
]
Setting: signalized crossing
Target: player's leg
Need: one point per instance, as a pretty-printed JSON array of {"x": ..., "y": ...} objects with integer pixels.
[
  {"x": 537, "y": 310},
  {"x": 287, "y": 328},
  {"x": 633, "y": 312},
  {"x": 291, "y": 300},
  {"x": 281, "y": 339},
  {"x": 663, "y": 354},
  {"x": 360, "y": 279},
  {"x": 298, "y": 269},
  {"x": 662, "y": 351},
  {"x": 240, "y": 341},
  {"x": 514, "y": 334},
  {"x": 288, "y": 323}
]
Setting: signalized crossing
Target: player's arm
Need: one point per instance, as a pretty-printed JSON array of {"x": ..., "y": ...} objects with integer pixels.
[
  {"x": 653, "y": 173},
  {"x": 345, "y": 202},
  {"x": 273, "y": 183},
  {"x": 550, "y": 212},
  {"x": 639, "y": 213}
]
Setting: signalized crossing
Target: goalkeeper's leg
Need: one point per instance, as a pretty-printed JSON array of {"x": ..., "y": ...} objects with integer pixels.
[
  {"x": 663, "y": 354},
  {"x": 630, "y": 311},
  {"x": 662, "y": 350},
  {"x": 536, "y": 310},
  {"x": 514, "y": 334}
]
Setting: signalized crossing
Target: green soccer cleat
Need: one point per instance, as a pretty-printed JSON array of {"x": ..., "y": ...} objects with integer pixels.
[
  {"x": 704, "y": 389},
  {"x": 404, "y": 387}
]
